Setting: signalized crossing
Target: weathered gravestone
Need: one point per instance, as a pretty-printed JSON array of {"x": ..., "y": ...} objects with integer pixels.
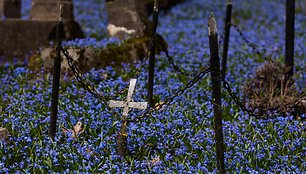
[
  {"x": 127, "y": 18},
  {"x": 10, "y": 9},
  {"x": 23, "y": 36},
  {"x": 44, "y": 10}
]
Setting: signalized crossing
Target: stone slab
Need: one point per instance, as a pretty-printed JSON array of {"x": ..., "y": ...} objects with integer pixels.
[
  {"x": 44, "y": 10},
  {"x": 22, "y": 36},
  {"x": 126, "y": 18}
]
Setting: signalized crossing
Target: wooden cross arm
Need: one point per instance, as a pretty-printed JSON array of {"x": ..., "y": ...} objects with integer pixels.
[
  {"x": 138, "y": 105},
  {"x": 117, "y": 104}
]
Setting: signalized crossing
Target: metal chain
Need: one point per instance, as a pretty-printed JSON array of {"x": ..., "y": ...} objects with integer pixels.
[
  {"x": 169, "y": 99},
  {"x": 164, "y": 48},
  {"x": 249, "y": 43},
  {"x": 236, "y": 98},
  {"x": 85, "y": 84},
  {"x": 94, "y": 92},
  {"x": 77, "y": 73}
]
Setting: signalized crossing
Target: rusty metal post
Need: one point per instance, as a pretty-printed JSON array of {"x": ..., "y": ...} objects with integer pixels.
[
  {"x": 56, "y": 77},
  {"x": 216, "y": 91},
  {"x": 227, "y": 28},
  {"x": 289, "y": 52},
  {"x": 152, "y": 57}
]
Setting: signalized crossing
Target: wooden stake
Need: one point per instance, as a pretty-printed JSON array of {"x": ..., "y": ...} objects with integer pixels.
[
  {"x": 152, "y": 57},
  {"x": 216, "y": 87},
  {"x": 126, "y": 105}
]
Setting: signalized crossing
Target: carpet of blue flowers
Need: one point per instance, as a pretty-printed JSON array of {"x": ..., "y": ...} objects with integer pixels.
[{"x": 180, "y": 137}]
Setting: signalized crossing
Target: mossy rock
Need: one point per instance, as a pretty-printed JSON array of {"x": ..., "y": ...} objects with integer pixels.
[{"x": 128, "y": 51}]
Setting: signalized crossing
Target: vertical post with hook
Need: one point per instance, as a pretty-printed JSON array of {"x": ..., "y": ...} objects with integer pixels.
[
  {"x": 152, "y": 56},
  {"x": 216, "y": 92},
  {"x": 56, "y": 75}
]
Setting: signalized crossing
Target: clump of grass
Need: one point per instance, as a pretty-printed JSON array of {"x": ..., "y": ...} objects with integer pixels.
[{"x": 270, "y": 90}]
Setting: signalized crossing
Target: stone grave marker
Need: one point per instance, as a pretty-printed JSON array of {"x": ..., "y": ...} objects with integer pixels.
[
  {"x": 127, "y": 18},
  {"x": 10, "y": 9},
  {"x": 23, "y": 36},
  {"x": 44, "y": 10}
]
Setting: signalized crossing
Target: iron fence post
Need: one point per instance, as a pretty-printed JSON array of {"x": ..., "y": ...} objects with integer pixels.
[
  {"x": 56, "y": 77},
  {"x": 216, "y": 91}
]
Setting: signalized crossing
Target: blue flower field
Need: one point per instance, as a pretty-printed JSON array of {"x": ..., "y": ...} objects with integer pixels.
[{"x": 180, "y": 137}]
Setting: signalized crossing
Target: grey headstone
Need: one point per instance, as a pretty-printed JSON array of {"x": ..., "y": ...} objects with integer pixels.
[
  {"x": 126, "y": 18},
  {"x": 23, "y": 36},
  {"x": 44, "y": 10},
  {"x": 10, "y": 9}
]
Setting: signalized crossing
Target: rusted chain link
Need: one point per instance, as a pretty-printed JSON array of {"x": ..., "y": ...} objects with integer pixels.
[
  {"x": 94, "y": 92},
  {"x": 86, "y": 85},
  {"x": 249, "y": 43},
  {"x": 170, "y": 99},
  {"x": 77, "y": 73},
  {"x": 197, "y": 76},
  {"x": 164, "y": 48}
]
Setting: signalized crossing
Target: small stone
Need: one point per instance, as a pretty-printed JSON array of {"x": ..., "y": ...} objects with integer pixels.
[{"x": 4, "y": 134}]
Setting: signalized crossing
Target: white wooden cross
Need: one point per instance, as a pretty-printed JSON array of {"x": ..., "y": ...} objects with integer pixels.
[{"x": 126, "y": 105}]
